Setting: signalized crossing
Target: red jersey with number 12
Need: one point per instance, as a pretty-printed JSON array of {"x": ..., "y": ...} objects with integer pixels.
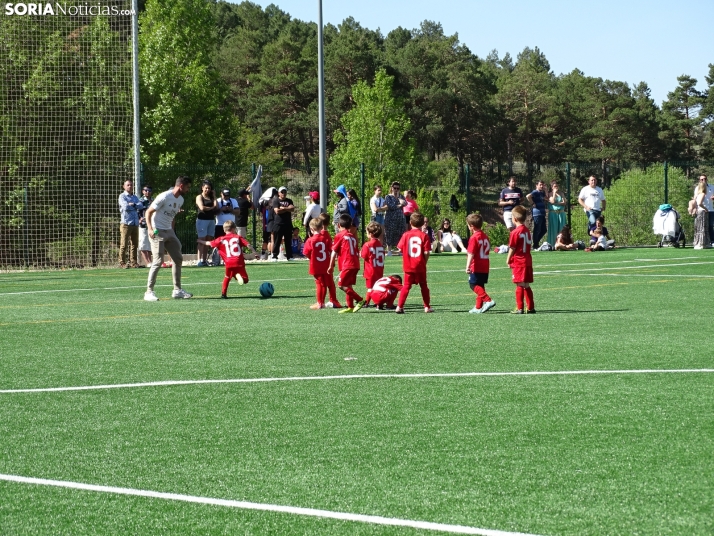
[
  {"x": 413, "y": 244},
  {"x": 520, "y": 241},
  {"x": 345, "y": 245},
  {"x": 317, "y": 249},
  {"x": 230, "y": 248},
  {"x": 479, "y": 248},
  {"x": 373, "y": 255}
]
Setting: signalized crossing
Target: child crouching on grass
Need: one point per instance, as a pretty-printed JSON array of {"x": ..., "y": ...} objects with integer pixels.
[
  {"x": 230, "y": 247},
  {"x": 477, "y": 263},
  {"x": 521, "y": 263}
]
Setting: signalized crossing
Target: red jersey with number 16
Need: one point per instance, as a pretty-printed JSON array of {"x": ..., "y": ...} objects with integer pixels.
[
  {"x": 520, "y": 241},
  {"x": 230, "y": 248},
  {"x": 479, "y": 248},
  {"x": 345, "y": 245},
  {"x": 317, "y": 249},
  {"x": 373, "y": 255},
  {"x": 413, "y": 244}
]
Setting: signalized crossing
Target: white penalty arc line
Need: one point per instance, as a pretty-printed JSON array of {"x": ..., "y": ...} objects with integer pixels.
[
  {"x": 624, "y": 268},
  {"x": 170, "y": 383},
  {"x": 312, "y": 512}
]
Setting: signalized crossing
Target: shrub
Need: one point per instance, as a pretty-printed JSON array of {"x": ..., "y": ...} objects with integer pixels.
[{"x": 497, "y": 234}]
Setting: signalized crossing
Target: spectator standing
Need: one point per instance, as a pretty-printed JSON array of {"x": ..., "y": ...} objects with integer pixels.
[
  {"x": 377, "y": 206},
  {"x": 702, "y": 238},
  {"x": 160, "y": 224},
  {"x": 312, "y": 211},
  {"x": 244, "y": 206},
  {"x": 537, "y": 199},
  {"x": 394, "y": 223},
  {"x": 227, "y": 209},
  {"x": 268, "y": 217},
  {"x": 283, "y": 209},
  {"x": 708, "y": 205},
  {"x": 205, "y": 220},
  {"x": 556, "y": 213},
  {"x": 341, "y": 207},
  {"x": 144, "y": 242},
  {"x": 510, "y": 197},
  {"x": 355, "y": 210},
  {"x": 411, "y": 206},
  {"x": 592, "y": 199},
  {"x": 129, "y": 206}
]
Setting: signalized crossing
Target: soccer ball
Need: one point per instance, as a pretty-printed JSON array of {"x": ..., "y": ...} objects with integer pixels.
[{"x": 266, "y": 289}]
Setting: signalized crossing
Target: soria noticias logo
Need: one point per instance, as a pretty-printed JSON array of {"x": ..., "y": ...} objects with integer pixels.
[{"x": 64, "y": 9}]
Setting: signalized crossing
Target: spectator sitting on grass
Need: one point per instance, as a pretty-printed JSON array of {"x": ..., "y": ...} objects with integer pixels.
[
  {"x": 564, "y": 240},
  {"x": 296, "y": 243},
  {"x": 599, "y": 236}
]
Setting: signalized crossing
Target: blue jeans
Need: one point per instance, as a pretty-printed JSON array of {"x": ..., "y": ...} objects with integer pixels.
[
  {"x": 593, "y": 215},
  {"x": 539, "y": 229}
]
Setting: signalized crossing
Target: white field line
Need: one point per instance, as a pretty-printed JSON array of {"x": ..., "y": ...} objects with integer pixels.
[
  {"x": 624, "y": 268},
  {"x": 312, "y": 512},
  {"x": 168, "y": 383},
  {"x": 663, "y": 276}
]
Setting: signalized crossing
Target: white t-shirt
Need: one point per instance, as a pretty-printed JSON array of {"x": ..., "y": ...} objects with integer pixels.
[
  {"x": 223, "y": 217},
  {"x": 166, "y": 205},
  {"x": 592, "y": 197},
  {"x": 707, "y": 197},
  {"x": 377, "y": 202},
  {"x": 311, "y": 211}
]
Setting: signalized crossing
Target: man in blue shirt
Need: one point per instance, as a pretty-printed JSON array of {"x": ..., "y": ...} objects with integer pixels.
[
  {"x": 537, "y": 199},
  {"x": 129, "y": 206}
]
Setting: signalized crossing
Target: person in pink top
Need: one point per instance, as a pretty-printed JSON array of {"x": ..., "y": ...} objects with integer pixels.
[{"x": 411, "y": 207}]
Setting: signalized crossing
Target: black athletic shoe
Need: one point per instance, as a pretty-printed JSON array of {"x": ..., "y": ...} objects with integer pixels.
[
  {"x": 530, "y": 311},
  {"x": 224, "y": 296}
]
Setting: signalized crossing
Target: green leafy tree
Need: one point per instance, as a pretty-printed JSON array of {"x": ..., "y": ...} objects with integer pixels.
[{"x": 681, "y": 124}]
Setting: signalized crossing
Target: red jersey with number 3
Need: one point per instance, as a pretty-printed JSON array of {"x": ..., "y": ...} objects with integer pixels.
[
  {"x": 479, "y": 248},
  {"x": 317, "y": 248},
  {"x": 345, "y": 245},
  {"x": 520, "y": 241},
  {"x": 230, "y": 247},
  {"x": 413, "y": 244},
  {"x": 373, "y": 255}
]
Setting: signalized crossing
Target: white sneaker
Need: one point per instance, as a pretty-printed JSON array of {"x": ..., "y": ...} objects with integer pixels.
[
  {"x": 488, "y": 305},
  {"x": 264, "y": 257},
  {"x": 239, "y": 278},
  {"x": 150, "y": 296},
  {"x": 273, "y": 259},
  {"x": 181, "y": 294},
  {"x": 428, "y": 310},
  {"x": 389, "y": 253}
]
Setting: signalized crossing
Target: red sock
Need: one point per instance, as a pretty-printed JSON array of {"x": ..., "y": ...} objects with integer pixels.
[
  {"x": 331, "y": 288},
  {"x": 368, "y": 296},
  {"x": 352, "y": 294},
  {"x": 425, "y": 295},
  {"x": 320, "y": 291},
  {"x": 226, "y": 280},
  {"x": 403, "y": 296},
  {"x": 529, "y": 299},
  {"x": 481, "y": 296},
  {"x": 348, "y": 298},
  {"x": 519, "y": 296}
]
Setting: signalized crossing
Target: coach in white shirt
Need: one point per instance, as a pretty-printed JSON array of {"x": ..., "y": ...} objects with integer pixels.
[
  {"x": 592, "y": 199},
  {"x": 708, "y": 198},
  {"x": 160, "y": 224}
]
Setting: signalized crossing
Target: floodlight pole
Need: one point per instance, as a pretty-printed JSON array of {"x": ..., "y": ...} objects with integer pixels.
[
  {"x": 135, "y": 89},
  {"x": 321, "y": 107}
]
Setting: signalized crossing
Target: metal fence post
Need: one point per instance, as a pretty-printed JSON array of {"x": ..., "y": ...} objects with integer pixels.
[
  {"x": 361, "y": 186},
  {"x": 666, "y": 182},
  {"x": 567, "y": 190},
  {"x": 25, "y": 239},
  {"x": 255, "y": 209},
  {"x": 468, "y": 189}
]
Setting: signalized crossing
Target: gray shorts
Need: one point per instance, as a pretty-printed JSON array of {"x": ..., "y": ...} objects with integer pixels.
[
  {"x": 144, "y": 241},
  {"x": 205, "y": 228}
]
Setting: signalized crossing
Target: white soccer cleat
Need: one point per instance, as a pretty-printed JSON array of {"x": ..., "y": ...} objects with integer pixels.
[
  {"x": 488, "y": 305},
  {"x": 428, "y": 310},
  {"x": 240, "y": 280},
  {"x": 181, "y": 294},
  {"x": 150, "y": 296}
]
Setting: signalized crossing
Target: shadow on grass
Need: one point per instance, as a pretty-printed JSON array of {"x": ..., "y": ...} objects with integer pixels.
[{"x": 257, "y": 297}]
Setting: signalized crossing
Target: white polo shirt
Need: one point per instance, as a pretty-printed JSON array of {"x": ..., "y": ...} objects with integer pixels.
[
  {"x": 166, "y": 205},
  {"x": 592, "y": 197}
]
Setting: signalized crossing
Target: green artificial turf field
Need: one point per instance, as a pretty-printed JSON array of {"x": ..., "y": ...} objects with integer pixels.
[{"x": 404, "y": 427}]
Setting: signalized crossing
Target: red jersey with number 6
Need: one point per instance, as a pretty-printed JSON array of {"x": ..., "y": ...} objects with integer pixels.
[
  {"x": 317, "y": 249},
  {"x": 230, "y": 248},
  {"x": 345, "y": 245},
  {"x": 479, "y": 248},
  {"x": 520, "y": 242},
  {"x": 373, "y": 255},
  {"x": 413, "y": 244}
]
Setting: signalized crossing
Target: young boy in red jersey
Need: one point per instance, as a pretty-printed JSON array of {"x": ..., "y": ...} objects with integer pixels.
[
  {"x": 317, "y": 248},
  {"x": 373, "y": 255},
  {"x": 477, "y": 263},
  {"x": 521, "y": 263},
  {"x": 344, "y": 249},
  {"x": 230, "y": 247},
  {"x": 329, "y": 281},
  {"x": 384, "y": 291},
  {"x": 415, "y": 247}
]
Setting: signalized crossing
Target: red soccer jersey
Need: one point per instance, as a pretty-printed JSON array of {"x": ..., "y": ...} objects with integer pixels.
[
  {"x": 345, "y": 245},
  {"x": 317, "y": 249},
  {"x": 373, "y": 255},
  {"x": 230, "y": 247},
  {"x": 479, "y": 247},
  {"x": 413, "y": 244},
  {"x": 386, "y": 286},
  {"x": 520, "y": 241}
]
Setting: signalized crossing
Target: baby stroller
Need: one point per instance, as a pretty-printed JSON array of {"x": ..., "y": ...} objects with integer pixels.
[{"x": 666, "y": 224}]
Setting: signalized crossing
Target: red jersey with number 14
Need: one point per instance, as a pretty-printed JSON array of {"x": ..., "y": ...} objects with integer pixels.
[
  {"x": 230, "y": 248},
  {"x": 479, "y": 248},
  {"x": 373, "y": 255},
  {"x": 413, "y": 244},
  {"x": 520, "y": 241},
  {"x": 317, "y": 249},
  {"x": 345, "y": 245}
]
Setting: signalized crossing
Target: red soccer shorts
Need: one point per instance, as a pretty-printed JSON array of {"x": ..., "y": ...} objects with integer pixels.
[
  {"x": 371, "y": 281},
  {"x": 384, "y": 298},
  {"x": 231, "y": 272},
  {"x": 522, "y": 273},
  {"x": 414, "y": 278},
  {"x": 348, "y": 278}
]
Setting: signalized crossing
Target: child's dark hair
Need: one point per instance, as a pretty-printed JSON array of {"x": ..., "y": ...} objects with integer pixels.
[
  {"x": 519, "y": 214},
  {"x": 567, "y": 236},
  {"x": 397, "y": 276},
  {"x": 374, "y": 229},
  {"x": 475, "y": 220},
  {"x": 345, "y": 221},
  {"x": 601, "y": 219},
  {"x": 416, "y": 219}
]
